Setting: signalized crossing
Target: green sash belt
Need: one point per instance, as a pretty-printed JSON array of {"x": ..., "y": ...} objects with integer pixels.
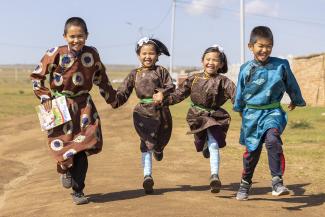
[
  {"x": 68, "y": 94},
  {"x": 262, "y": 107},
  {"x": 146, "y": 100},
  {"x": 202, "y": 108}
]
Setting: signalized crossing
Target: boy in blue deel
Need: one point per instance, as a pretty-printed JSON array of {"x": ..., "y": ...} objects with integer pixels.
[{"x": 260, "y": 88}]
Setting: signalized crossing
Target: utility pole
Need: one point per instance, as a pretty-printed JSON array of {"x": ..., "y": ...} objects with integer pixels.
[
  {"x": 172, "y": 36},
  {"x": 242, "y": 31}
]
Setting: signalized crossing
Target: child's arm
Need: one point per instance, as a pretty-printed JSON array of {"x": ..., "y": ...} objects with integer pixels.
[
  {"x": 230, "y": 89},
  {"x": 239, "y": 103},
  {"x": 167, "y": 83},
  {"x": 124, "y": 90},
  {"x": 181, "y": 93},
  {"x": 38, "y": 78},
  {"x": 292, "y": 88}
]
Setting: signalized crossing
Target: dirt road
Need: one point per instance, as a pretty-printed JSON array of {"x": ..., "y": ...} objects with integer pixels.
[{"x": 30, "y": 186}]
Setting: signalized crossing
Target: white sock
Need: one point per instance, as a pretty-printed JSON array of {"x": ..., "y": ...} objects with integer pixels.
[
  {"x": 147, "y": 163},
  {"x": 214, "y": 154}
]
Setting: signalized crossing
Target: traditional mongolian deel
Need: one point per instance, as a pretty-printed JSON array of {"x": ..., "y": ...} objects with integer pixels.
[
  {"x": 208, "y": 93},
  {"x": 153, "y": 123},
  {"x": 72, "y": 74},
  {"x": 260, "y": 89}
]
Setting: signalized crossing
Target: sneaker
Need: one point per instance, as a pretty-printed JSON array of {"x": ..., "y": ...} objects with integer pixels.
[
  {"x": 148, "y": 184},
  {"x": 79, "y": 198},
  {"x": 243, "y": 190},
  {"x": 158, "y": 155},
  {"x": 278, "y": 188},
  {"x": 215, "y": 183},
  {"x": 66, "y": 180}
]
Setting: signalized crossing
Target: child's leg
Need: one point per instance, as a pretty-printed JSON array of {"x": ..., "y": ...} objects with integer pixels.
[
  {"x": 275, "y": 155},
  {"x": 147, "y": 163},
  {"x": 214, "y": 153},
  {"x": 250, "y": 160},
  {"x": 213, "y": 147},
  {"x": 273, "y": 144},
  {"x": 78, "y": 171}
]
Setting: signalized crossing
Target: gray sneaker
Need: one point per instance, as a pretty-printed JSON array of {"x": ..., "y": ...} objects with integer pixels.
[
  {"x": 278, "y": 188},
  {"x": 66, "y": 180},
  {"x": 243, "y": 190},
  {"x": 79, "y": 198},
  {"x": 215, "y": 183}
]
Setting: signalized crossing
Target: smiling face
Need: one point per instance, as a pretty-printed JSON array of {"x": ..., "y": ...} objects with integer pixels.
[
  {"x": 148, "y": 55},
  {"x": 212, "y": 63},
  {"x": 76, "y": 37},
  {"x": 261, "y": 49}
]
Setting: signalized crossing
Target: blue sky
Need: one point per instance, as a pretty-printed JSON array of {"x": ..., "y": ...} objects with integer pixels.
[{"x": 28, "y": 28}]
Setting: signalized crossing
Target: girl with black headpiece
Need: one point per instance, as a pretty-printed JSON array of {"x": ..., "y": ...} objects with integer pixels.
[{"x": 152, "y": 121}]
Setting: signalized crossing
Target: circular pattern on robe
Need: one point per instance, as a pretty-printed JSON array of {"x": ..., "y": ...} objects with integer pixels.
[
  {"x": 38, "y": 69},
  {"x": 104, "y": 93},
  {"x": 85, "y": 121},
  {"x": 74, "y": 107},
  {"x": 141, "y": 124},
  {"x": 57, "y": 79},
  {"x": 87, "y": 59},
  {"x": 51, "y": 51},
  {"x": 68, "y": 128},
  {"x": 66, "y": 61},
  {"x": 152, "y": 134},
  {"x": 52, "y": 67},
  {"x": 99, "y": 65},
  {"x": 78, "y": 79},
  {"x": 69, "y": 153},
  {"x": 56, "y": 145},
  {"x": 97, "y": 77},
  {"x": 97, "y": 134},
  {"x": 36, "y": 84}
]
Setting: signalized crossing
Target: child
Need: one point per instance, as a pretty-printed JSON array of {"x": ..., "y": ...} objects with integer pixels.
[
  {"x": 208, "y": 90},
  {"x": 152, "y": 122},
  {"x": 72, "y": 70},
  {"x": 260, "y": 88}
]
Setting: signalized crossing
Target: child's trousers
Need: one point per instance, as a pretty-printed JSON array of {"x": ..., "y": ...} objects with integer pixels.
[
  {"x": 79, "y": 171},
  {"x": 273, "y": 144}
]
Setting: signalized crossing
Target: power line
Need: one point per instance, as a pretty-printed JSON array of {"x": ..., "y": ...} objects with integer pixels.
[
  {"x": 252, "y": 14},
  {"x": 161, "y": 21}
]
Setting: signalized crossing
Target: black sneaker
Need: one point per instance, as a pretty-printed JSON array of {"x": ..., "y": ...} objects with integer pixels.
[
  {"x": 79, "y": 198},
  {"x": 215, "y": 183},
  {"x": 278, "y": 188},
  {"x": 148, "y": 184},
  {"x": 158, "y": 155},
  {"x": 66, "y": 180},
  {"x": 243, "y": 190},
  {"x": 205, "y": 151}
]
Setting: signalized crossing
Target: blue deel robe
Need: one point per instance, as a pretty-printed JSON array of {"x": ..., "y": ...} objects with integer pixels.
[{"x": 261, "y": 85}]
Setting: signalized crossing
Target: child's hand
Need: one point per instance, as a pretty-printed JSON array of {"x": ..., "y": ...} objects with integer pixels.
[
  {"x": 158, "y": 97},
  {"x": 47, "y": 105},
  {"x": 291, "y": 106}
]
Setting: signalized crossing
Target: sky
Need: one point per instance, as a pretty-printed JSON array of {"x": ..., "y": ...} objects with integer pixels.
[{"x": 30, "y": 27}]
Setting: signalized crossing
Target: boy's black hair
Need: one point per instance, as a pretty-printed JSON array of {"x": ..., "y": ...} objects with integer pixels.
[
  {"x": 222, "y": 56},
  {"x": 159, "y": 46},
  {"x": 75, "y": 21},
  {"x": 260, "y": 32}
]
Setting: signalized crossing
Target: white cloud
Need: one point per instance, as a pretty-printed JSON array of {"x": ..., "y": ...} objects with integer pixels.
[
  {"x": 262, "y": 8},
  {"x": 198, "y": 7}
]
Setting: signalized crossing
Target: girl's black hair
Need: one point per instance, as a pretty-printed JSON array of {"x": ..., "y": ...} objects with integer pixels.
[
  {"x": 260, "y": 32},
  {"x": 75, "y": 21},
  {"x": 222, "y": 56},
  {"x": 159, "y": 46}
]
